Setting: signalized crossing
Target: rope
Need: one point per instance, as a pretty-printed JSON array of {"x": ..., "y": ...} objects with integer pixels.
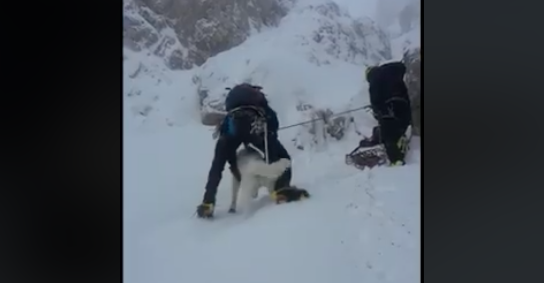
[
  {"x": 321, "y": 118},
  {"x": 216, "y": 133},
  {"x": 266, "y": 143}
]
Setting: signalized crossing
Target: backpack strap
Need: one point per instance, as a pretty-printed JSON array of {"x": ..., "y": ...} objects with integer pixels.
[{"x": 258, "y": 126}]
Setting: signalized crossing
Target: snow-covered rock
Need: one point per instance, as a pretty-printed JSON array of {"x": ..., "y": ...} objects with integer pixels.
[
  {"x": 187, "y": 32},
  {"x": 405, "y": 28},
  {"x": 412, "y": 59},
  {"x": 310, "y": 62}
]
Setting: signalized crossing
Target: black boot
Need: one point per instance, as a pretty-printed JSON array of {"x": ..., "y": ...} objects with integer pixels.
[
  {"x": 373, "y": 140},
  {"x": 284, "y": 192},
  {"x": 289, "y": 194},
  {"x": 396, "y": 151}
]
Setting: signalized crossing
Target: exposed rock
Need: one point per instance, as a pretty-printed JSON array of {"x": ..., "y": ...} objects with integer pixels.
[
  {"x": 345, "y": 38},
  {"x": 412, "y": 59},
  {"x": 212, "y": 111},
  {"x": 187, "y": 32},
  {"x": 323, "y": 124},
  {"x": 137, "y": 32},
  {"x": 333, "y": 126},
  {"x": 176, "y": 61}
]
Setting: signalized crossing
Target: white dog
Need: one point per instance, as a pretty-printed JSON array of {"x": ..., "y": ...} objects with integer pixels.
[{"x": 255, "y": 173}]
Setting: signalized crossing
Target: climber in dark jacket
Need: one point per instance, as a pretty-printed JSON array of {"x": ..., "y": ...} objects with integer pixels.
[
  {"x": 249, "y": 121},
  {"x": 391, "y": 107}
]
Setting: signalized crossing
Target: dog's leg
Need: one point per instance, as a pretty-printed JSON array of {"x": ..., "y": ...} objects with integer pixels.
[
  {"x": 255, "y": 189},
  {"x": 248, "y": 186},
  {"x": 269, "y": 184},
  {"x": 235, "y": 190}
]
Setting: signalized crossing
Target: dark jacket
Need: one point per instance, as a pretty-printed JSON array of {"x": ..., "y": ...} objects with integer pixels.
[
  {"x": 235, "y": 131},
  {"x": 386, "y": 85}
]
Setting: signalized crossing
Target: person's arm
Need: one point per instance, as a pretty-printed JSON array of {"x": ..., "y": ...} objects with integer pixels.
[
  {"x": 376, "y": 98},
  {"x": 225, "y": 149},
  {"x": 273, "y": 123},
  {"x": 231, "y": 159}
]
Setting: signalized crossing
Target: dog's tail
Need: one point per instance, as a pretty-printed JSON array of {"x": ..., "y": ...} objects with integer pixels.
[{"x": 272, "y": 171}]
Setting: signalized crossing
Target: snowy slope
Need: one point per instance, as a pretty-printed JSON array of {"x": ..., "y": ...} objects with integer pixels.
[
  {"x": 358, "y": 226},
  {"x": 154, "y": 97}
]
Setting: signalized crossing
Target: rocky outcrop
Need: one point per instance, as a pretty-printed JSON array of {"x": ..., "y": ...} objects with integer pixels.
[
  {"x": 322, "y": 126},
  {"x": 334, "y": 126},
  {"x": 185, "y": 33},
  {"x": 412, "y": 59}
]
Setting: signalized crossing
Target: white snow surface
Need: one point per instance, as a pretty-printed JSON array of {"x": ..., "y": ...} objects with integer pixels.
[{"x": 358, "y": 226}]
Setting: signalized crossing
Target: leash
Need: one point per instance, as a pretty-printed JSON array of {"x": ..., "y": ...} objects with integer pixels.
[{"x": 366, "y": 107}]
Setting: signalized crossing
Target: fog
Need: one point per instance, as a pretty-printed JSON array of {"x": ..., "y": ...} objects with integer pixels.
[{"x": 384, "y": 12}]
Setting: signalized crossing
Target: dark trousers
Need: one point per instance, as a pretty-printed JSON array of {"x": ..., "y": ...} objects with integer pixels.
[
  {"x": 393, "y": 127},
  {"x": 284, "y": 181}
]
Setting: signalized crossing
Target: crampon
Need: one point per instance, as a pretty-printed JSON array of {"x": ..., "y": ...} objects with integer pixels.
[{"x": 367, "y": 157}]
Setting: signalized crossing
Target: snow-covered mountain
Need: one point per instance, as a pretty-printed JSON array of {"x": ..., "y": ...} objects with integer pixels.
[
  {"x": 310, "y": 56},
  {"x": 185, "y": 33},
  {"x": 314, "y": 58}
]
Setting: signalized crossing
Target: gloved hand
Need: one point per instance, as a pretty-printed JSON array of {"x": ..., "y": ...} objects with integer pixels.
[{"x": 236, "y": 173}]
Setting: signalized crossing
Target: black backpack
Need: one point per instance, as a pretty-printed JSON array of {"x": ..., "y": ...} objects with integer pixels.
[{"x": 245, "y": 95}]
